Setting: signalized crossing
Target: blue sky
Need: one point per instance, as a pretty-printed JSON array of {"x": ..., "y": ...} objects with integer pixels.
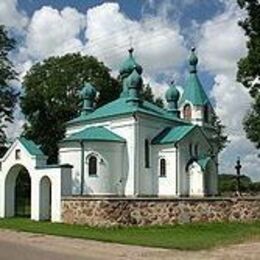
[
  {"x": 199, "y": 11},
  {"x": 162, "y": 33}
]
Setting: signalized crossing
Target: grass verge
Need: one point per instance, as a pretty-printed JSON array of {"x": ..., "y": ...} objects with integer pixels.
[{"x": 183, "y": 237}]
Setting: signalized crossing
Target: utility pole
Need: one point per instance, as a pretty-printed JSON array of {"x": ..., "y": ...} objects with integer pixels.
[{"x": 238, "y": 169}]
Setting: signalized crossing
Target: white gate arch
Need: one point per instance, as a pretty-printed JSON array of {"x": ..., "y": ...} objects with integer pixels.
[{"x": 25, "y": 153}]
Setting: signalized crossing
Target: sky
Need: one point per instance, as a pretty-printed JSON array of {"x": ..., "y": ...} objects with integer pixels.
[{"x": 161, "y": 32}]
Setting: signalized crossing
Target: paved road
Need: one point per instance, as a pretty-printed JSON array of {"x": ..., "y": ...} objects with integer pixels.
[{"x": 26, "y": 246}]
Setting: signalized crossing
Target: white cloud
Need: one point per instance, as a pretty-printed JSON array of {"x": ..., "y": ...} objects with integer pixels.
[
  {"x": 223, "y": 42},
  {"x": 158, "y": 45},
  {"x": 53, "y": 32},
  {"x": 221, "y": 45},
  {"x": 10, "y": 16}
]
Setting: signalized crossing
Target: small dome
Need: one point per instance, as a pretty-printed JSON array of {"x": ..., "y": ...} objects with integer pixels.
[
  {"x": 129, "y": 65},
  {"x": 88, "y": 91},
  {"x": 172, "y": 94},
  {"x": 193, "y": 60},
  {"x": 135, "y": 80}
]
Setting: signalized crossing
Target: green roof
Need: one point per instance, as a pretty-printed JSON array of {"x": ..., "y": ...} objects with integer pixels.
[
  {"x": 173, "y": 134},
  {"x": 97, "y": 134},
  {"x": 203, "y": 162},
  {"x": 30, "y": 146},
  {"x": 194, "y": 92},
  {"x": 121, "y": 107}
]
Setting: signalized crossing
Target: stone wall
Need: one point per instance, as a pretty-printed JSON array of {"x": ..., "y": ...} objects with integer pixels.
[{"x": 157, "y": 211}]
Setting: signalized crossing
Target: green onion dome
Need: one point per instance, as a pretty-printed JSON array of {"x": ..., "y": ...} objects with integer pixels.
[
  {"x": 88, "y": 91},
  {"x": 129, "y": 65},
  {"x": 135, "y": 81},
  {"x": 172, "y": 94}
]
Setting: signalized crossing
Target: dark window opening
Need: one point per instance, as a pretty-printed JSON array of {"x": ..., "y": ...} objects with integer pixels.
[
  {"x": 187, "y": 112},
  {"x": 147, "y": 154},
  {"x": 92, "y": 166},
  {"x": 162, "y": 168},
  {"x": 17, "y": 154}
]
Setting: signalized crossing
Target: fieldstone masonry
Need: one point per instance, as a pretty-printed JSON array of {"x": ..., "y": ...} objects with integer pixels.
[{"x": 157, "y": 211}]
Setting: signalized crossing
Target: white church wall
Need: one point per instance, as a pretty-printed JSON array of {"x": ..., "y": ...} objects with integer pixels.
[
  {"x": 148, "y": 127},
  {"x": 109, "y": 168},
  {"x": 72, "y": 154},
  {"x": 124, "y": 127},
  {"x": 110, "y": 171},
  {"x": 166, "y": 185}
]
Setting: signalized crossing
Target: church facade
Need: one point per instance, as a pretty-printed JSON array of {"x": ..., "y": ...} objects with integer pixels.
[{"x": 128, "y": 147}]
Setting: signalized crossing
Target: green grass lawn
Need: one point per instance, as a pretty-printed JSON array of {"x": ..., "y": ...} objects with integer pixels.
[{"x": 183, "y": 237}]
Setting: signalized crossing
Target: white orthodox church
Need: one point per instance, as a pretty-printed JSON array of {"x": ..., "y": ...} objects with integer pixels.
[{"x": 128, "y": 147}]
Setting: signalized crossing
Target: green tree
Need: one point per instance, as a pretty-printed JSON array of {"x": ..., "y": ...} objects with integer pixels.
[
  {"x": 51, "y": 96},
  {"x": 228, "y": 183},
  {"x": 8, "y": 95},
  {"x": 147, "y": 94},
  {"x": 249, "y": 67},
  {"x": 219, "y": 136}
]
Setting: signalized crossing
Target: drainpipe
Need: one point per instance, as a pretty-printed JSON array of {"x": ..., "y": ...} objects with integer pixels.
[
  {"x": 177, "y": 169},
  {"x": 82, "y": 168}
]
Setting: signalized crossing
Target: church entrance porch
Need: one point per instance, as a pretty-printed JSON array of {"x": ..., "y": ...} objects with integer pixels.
[
  {"x": 18, "y": 192},
  {"x": 23, "y": 194}
]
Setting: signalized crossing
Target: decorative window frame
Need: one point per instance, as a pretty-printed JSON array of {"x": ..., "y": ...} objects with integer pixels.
[
  {"x": 187, "y": 103},
  {"x": 100, "y": 161},
  {"x": 159, "y": 167}
]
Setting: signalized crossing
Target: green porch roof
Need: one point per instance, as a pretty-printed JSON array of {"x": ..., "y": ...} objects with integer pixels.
[
  {"x": 203, "y": 162},
  {"x": 173, "y": 135},
  {"x": 194, "y": 92},
  {"x": 121, "y": 107},
  {"x": 30, "y": 146},
  {"x": 96, "y": 134}
]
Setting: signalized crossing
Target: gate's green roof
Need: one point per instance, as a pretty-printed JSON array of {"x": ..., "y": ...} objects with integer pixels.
[
  {"x": 30, "y": 146},
  {"x": 173, "y": 135},
  {"x": 96, "y": 134},
  {"x": 121, "y": 107}
]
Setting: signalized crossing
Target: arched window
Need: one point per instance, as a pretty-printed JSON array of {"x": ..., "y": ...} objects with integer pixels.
[
  {"x": 92, "y": 166},
  {"x": 187, "y": 112},
  {"x": 162, "y": 167},
  {"x": 147, "y": 153},
  {"x": 206, "y": 114}
]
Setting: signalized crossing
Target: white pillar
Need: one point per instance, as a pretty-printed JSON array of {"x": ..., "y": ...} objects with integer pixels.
[
  {"x": 2, "y": 198},
  {"x": 56, "y": 199},
  {"x": 35, "y": 197}
]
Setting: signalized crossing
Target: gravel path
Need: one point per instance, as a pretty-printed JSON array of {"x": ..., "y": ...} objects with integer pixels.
[{"x": 27, "y": 246}]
